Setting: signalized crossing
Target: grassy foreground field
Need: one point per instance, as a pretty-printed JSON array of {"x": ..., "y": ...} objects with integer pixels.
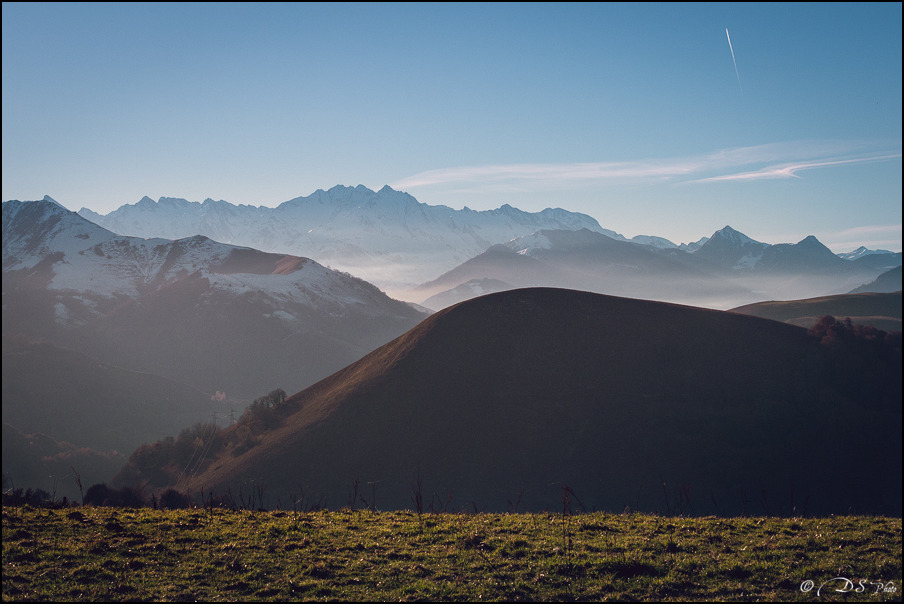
[{"x": 97, "y": 554}]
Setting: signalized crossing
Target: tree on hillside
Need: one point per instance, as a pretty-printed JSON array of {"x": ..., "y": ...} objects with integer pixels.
[
  {"x": 162, "y": 463},
  {"x": 262, "y": 413}
]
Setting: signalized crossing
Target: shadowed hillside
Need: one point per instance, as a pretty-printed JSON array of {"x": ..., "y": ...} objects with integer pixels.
[
  {"x": 72, "y": 397},
  {"x": 880, "y": 310},
  {"x": 63, "y": 409},
  {"x": 502, "y": 401},
  {"x": 43, "y": 464}
]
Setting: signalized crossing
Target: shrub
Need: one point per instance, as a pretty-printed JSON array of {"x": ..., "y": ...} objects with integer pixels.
[
  {"x": 97, "y": 495},
  {"x": 101, "y": 495},
  {"x": 171, "y": 499}
]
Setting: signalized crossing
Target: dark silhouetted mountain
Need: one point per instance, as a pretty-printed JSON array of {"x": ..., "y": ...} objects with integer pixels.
[
  {"x": 880, "y": 310},
  {"x": 508, "y": 398}
]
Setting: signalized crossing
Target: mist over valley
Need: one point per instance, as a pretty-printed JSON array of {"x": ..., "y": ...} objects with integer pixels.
[{"x": 561, "y": 353}]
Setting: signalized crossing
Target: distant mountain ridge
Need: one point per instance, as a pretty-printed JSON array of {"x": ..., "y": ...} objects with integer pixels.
[
  {"x": 392, "y": 240},
  {"x": 375, "y": 235},
  {"x": 216, "y": 316},
  {"x": 583, "y": 260},
  {"x": 727, "y": 270}
]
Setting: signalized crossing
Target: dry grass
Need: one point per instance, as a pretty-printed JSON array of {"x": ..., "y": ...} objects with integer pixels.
[{"x": 106, "y": 554}]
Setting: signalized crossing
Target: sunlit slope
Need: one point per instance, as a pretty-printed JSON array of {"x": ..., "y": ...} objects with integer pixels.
[{"x": 501, "y": 401}]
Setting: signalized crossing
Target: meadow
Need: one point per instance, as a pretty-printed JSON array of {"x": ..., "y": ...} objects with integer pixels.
[{"x": 90, "y": 553}]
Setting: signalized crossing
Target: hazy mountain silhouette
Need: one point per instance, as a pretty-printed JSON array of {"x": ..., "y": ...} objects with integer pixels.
[
  {"x": 889, "y": 281},
  {"x": 728, "y": 270},
  {"x": 500, "y": 401},
  {"x": 731, "y": 249},
  {"x": 588, "y": 261},
  {"x": 466, "y": 291}
]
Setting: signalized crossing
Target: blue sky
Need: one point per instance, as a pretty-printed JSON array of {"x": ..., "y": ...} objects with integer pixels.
[{"x": 636, "y": 114}]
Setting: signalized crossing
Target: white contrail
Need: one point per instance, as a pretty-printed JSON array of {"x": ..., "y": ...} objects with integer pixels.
[{"x": 733, "y": 60}]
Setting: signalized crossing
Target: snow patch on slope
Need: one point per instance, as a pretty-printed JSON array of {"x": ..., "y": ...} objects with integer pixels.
[{"x": 528, "y": 244}]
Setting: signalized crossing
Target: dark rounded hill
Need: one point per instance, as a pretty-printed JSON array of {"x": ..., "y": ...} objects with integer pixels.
[{"x": 500, "y": 402}]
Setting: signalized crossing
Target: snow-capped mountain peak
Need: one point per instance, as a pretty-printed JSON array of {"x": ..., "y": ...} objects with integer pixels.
[
  {"x": 353, "y": 229},
  {"x": 52, "y": 200},
  {"x": 58, "y": 231},
  {"x": 529, "y": 243},
  {"x": 860, "y": 252}
]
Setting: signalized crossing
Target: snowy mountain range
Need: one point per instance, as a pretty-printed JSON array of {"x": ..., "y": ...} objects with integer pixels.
[
  {"x": 386, "y": 237},
  {"x": 217, "y": 316},
  {"x": 392, "y": 240},
  {"x": 411, "y": 249}
]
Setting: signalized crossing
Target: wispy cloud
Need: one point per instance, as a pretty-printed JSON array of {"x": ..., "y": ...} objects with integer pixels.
[
  {"x": 872, "y": 231},
  {"x": 551, "y": 172},
  {"x": 790, "y": 170},
  {"x": 771, "y": 161}
]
